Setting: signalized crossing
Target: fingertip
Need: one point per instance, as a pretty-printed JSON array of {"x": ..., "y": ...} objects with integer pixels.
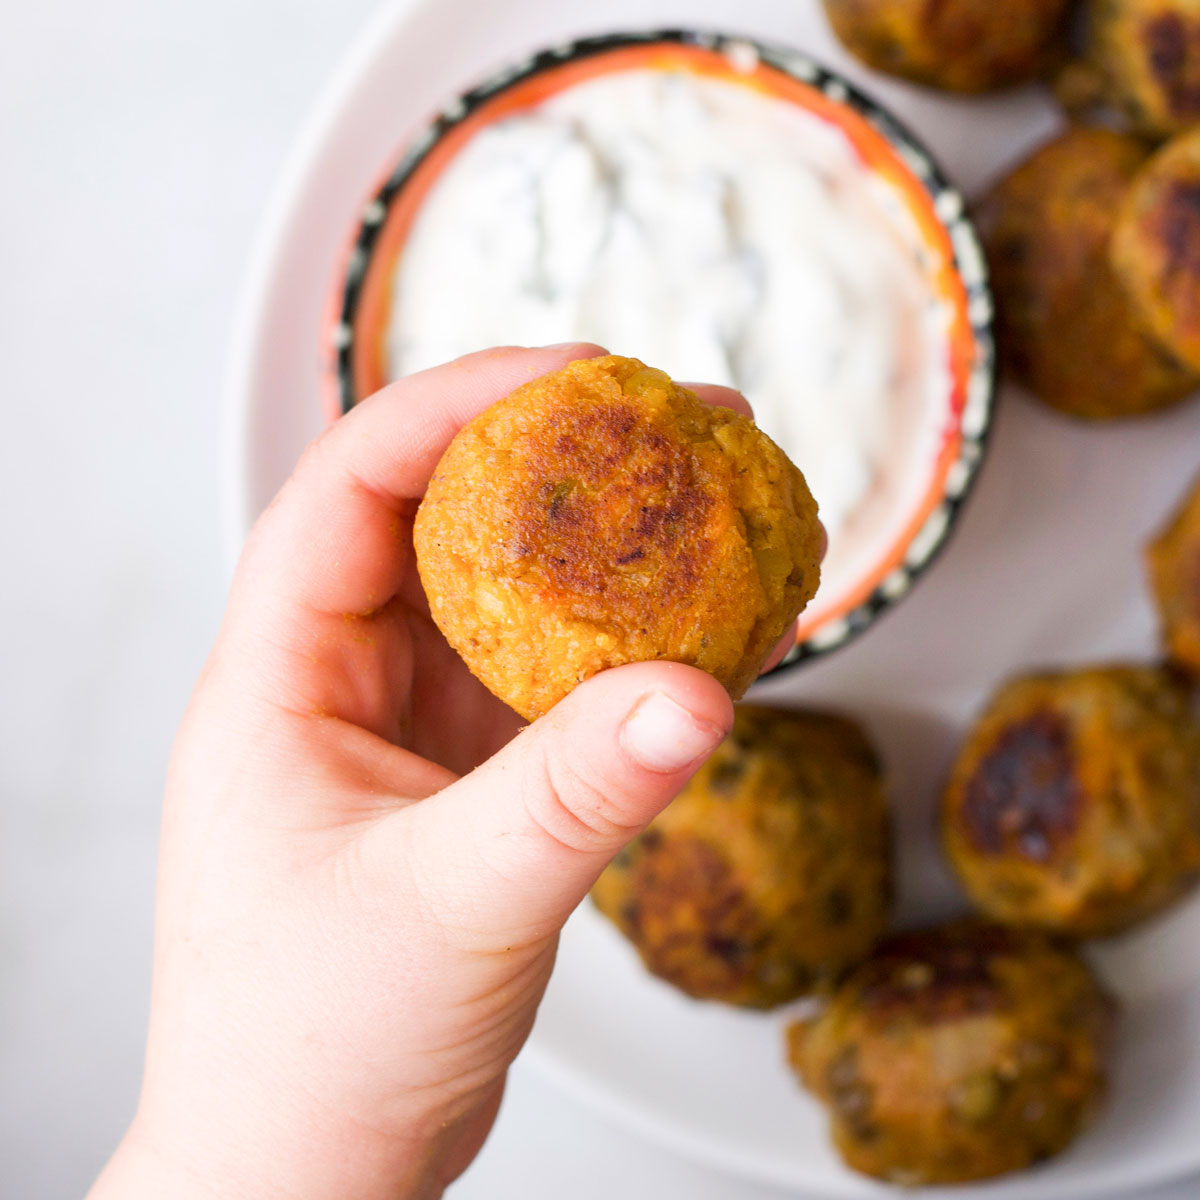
[
  {"x": 666, "y": 717},
  {"x": 547, "y": 813},
  {"x": 577, "y": 350},
  {"x": 720, "y": 396},
  {"x": 618, "y": 688},
  {"x": 662, "y": 736}
]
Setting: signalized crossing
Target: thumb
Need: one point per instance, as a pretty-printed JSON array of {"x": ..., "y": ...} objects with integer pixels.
[{"x": 503, "y": 855}]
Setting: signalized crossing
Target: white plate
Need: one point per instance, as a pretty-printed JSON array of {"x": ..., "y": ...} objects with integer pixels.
[{"x": 1044, "y": 569}]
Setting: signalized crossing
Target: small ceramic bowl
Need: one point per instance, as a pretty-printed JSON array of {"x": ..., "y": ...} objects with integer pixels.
[{"x": 954, "y": 268}]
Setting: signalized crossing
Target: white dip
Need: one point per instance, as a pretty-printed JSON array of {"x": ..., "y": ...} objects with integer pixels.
[{"x": 720, "y": 234}]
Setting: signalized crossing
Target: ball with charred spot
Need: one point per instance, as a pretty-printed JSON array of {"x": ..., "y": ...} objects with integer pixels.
[
  {"x": 1068, "y": 330},
  {"x": 1145, "y": 56},
  {"x": 1156, "y": 247},
  {"x": 602, "y": 515},
  {"x": 770, "y": 873},
  {"x": 1075, "y": 802},
  {"x": 958, "y": 1053},
  {"x": 1174, "y": 561}
]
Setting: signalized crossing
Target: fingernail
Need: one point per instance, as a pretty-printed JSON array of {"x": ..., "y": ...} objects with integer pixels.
[
  {"x": 591, "y": 346},
  {"x": 663, "y": 736}
]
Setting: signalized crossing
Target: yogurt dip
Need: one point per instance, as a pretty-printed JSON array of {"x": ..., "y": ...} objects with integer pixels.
[{"x": 722, "y": 233}]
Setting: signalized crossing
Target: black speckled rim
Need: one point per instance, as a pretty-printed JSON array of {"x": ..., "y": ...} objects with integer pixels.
[{"x": 948, "y": 205}]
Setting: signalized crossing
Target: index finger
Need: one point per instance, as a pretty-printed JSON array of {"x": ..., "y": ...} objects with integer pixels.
[{"x": 329, "y": 543}]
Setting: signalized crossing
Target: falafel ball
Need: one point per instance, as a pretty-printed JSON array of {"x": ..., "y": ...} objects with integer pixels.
[
  {"x": 602, "y": 515},
  {"x": 772, "y": 870},
  {"x": 958, "y": 1053},
  {"x": 959, "y": 45},
  {"x": 1174, "y": 561},
  {"x": 1144, "y": 56},
  {"x": 1156, "y": 247},
  {"x": 1067, "y": 329},
  {"x": 1074, "y": 804}
]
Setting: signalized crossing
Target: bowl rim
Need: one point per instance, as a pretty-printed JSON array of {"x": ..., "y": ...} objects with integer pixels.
[{"x": 973, "y": 419}]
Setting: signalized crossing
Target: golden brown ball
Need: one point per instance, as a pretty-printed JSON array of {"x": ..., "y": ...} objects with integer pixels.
[
  {"x": 1174, "y": 561},
  {"x": 772, "y": 870},
  {"x": 1156, "y": 247},
  {"x": 960, "y": 45},
  {"x": 1142, "y": 58},
  {"x": 602, "y": 515},
  {"x": 1074, "y": 804},
  {"x": 1067, "y": 329},
  {"x": 958, "y": 1053}
]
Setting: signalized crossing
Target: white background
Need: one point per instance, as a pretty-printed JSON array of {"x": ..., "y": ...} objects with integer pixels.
[{"x": 139, "y": 141}]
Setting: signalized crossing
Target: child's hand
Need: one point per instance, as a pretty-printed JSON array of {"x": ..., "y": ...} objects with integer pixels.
[{"x": 356, "y": 919}]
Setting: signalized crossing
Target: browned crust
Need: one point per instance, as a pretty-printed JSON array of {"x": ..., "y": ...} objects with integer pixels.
[
  {"x": 1025, "y": 796},
  {"x": 602, "y": 515},
  {"x": 959, "y": 45}
]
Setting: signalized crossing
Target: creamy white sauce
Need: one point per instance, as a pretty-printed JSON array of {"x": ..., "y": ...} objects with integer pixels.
[{"x": 720, "y": 234}]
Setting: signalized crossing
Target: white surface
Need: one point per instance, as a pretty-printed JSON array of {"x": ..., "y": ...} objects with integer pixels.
[
  {"x": 140, "y": 139},
  {"x": 1058, "y": 521}
]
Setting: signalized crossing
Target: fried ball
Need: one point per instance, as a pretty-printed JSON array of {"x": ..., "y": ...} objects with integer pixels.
[
  {"x": 1156, "y": 247},
  {"x": 1067, "y": 329},
  {"x": 958, "y": 1053},
  {"x": 1174, "y": 561},
  {"x": 772, "y": 870},
  {"x": 602, "y": 515},
  {"x": 960, "y": 45},
  {"x": 1074, "y": 804},
  {"x": 1145, "y": 59}
]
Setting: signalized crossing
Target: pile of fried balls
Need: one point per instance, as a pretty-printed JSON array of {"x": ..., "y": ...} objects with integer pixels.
[{"x": 1072, "y": 809}]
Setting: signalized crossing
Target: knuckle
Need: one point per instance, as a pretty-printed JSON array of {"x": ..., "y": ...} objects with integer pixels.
[{"x": 575, "y": 809}]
